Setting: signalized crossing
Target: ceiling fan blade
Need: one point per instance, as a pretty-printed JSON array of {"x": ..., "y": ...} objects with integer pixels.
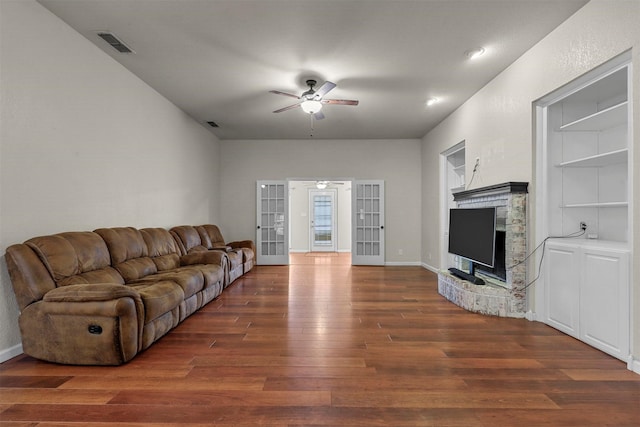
[
  {"x": 277, "y": 92},
  {"x": 340, "y": 101},
  {"x": 318, "y": 115},
  {"x": 324, "y": 89},
  {"x": 290, "y": 107}
]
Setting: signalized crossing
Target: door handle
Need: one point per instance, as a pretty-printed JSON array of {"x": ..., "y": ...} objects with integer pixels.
[
  {"x": 382, "y": 227},
  {"x": 258, "y": 227}
]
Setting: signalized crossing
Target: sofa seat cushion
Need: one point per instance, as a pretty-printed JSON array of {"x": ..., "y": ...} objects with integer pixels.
[
  {"x": 189, "y": 279},
  {"x": 158, "y": 297},
  {"x": 136, "y": 269},
  {"x": 213, "y": 274}
]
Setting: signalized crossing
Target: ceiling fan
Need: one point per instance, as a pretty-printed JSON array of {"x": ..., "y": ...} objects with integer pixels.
[{"x": 311, "y": 101}]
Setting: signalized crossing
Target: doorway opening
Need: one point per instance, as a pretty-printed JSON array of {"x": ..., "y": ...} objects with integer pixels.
[
  {"x": 283, "y": 227},
  {"x": 320, "y": 218}
]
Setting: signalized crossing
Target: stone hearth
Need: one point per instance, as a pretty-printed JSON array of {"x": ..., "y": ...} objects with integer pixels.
[{"x": 506, "y": 298}]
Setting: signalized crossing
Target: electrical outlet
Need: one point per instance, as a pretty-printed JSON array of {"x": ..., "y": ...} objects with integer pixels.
[
  {"x": 583, "y": 225},
  {"x": 400, "y": 252}
]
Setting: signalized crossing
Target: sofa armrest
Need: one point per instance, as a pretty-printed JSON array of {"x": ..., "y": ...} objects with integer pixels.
[
  {"x": 204, "y": 257},
  {"x": 84, "y": 324},
  {"x": 243, "y": 244},
  {"x": 29, "y": 276},
  {"x": 91, "y": 292}
]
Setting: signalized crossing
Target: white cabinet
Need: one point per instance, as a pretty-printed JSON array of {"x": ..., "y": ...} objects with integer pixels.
[
  {"x": 583, "y": 176},
  {"x": 587, "y": 293}
]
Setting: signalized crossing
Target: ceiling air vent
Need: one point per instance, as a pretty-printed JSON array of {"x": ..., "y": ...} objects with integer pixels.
[
  {"x": 115, "y": 42},
  {"x": 213, "y": 124}
]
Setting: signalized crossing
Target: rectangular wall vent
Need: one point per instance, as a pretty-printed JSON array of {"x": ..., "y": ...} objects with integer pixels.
[
  {"x": 213, "y": 124},
  {"x": 116, "y": 43}
]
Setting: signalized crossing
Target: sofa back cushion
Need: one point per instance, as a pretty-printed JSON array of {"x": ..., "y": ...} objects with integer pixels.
[
  {"x": 75, "y": 257},
  {"x": 162, "y": 248},
  {"x": 129, "y": 254},
  {"x": 189, "y": 238},
  {"x": 210, "y": 236}
]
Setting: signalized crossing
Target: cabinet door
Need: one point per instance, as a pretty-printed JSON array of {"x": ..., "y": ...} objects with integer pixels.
[
  {"x": 563, "y": 288},
  {"x": 604, "y": 305}
]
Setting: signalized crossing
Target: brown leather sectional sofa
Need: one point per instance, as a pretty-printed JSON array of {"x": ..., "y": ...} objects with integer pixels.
[{"x": 101, "y": 297}]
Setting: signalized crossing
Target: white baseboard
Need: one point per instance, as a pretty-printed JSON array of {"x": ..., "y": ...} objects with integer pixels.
[
  {"x": 10, "y": 353},
  {"x": 634, "y": 365},
  {"x": 402, "y": 264},
  {"x": 430, "y": 267},
  {"x": 304, "y": 251}
]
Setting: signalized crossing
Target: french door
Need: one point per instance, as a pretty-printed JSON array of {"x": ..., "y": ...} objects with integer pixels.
[
  {"x": 322, "y": 220},
  {"x": 272, "y": 223},
  {"x": 368, "y": 223}
]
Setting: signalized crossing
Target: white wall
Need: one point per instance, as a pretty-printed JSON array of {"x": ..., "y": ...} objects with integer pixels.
[
  {"x": 397, "y": 162},
  {"x": 86, "y": 144},
  {"x": 497, "y": 122}
]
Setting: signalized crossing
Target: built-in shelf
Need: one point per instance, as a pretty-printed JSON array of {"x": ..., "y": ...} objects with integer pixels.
[
  {"x": 599, "y": 160},
  {"x": 605, "y": 119},
  {"x": 585, "y": 178},
  {"x": 596, "y": 205}
]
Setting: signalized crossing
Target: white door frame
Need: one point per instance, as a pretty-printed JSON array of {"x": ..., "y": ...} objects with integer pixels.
[{"x": 341, "y": 210}]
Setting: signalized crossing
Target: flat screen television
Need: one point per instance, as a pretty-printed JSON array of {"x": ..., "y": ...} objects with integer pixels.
[{"x": 472, "y": 235}]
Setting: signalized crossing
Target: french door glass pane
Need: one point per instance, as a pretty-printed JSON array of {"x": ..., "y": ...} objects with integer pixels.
[
  {"x": 273, "y": 219},
  {"x": 322, "y": 211}
]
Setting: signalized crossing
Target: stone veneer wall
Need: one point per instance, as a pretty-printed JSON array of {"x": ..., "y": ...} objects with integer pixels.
[{"x": 506, "y": 299}]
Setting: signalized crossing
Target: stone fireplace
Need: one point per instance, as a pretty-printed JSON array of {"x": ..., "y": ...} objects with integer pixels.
[{"x": 504, "y": 293}]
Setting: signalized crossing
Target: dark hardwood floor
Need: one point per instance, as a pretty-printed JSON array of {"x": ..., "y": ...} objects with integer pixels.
[{"x": 321, "y": 343}]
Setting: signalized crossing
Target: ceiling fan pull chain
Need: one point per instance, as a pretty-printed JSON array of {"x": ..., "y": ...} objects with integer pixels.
[{"x": 311, "y": 116}]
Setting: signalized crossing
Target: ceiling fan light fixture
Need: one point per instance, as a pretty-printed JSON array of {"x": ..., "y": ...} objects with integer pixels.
[
  {"x": 311, "y": 106},
  {"x": 475, "y": 53},
  {"x": 432, "y": 101}
]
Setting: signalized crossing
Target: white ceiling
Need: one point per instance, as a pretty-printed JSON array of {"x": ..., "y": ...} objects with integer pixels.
[{"x": 217, "y": 59}]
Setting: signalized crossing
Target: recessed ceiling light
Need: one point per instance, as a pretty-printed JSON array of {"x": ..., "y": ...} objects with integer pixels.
[
  {"x": 432, "y": 101},
  {"x": 474, "y": 53}
]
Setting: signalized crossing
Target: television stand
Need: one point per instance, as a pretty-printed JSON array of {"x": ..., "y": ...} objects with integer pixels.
[{"x": 466, "y": 276}]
